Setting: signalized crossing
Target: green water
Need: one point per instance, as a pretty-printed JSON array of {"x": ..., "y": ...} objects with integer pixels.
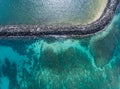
[
  {"x": 48, "y": 11},
  {"x": 62, "y": 63},
  {"x": 86, "y": 63}
]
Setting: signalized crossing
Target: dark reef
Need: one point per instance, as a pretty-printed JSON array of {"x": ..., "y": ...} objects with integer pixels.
[{"x": 62, "y": 30}]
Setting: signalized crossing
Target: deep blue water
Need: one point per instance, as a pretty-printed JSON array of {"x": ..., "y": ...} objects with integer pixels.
[{"x": 42, "y": 63}]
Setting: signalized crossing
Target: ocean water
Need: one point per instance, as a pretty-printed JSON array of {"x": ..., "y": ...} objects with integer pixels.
[
  {"x": 62, "y": 63},
  {"x": 49, "y": 11}
]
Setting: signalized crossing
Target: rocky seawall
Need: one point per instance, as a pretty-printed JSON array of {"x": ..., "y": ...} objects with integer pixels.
[{"x": 62, "y": 30}]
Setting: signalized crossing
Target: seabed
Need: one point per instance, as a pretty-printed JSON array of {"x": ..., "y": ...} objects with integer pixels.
[{"x": 91, "y": 62}]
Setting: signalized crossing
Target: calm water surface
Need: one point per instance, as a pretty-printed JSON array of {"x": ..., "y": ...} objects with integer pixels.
[
  {"x": 47, "y": 63},
  {"x": 48, "y": 11}
]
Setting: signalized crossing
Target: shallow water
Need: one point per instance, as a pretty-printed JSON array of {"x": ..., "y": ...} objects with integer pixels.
[
  {"x": 49, "y": 11},
  {"x": 42, "y": 63}
]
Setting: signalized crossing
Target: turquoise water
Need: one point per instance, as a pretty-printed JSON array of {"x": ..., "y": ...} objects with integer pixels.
[
  {"x": 48, "y": 11},
  {"x": 42, "y": 63}
]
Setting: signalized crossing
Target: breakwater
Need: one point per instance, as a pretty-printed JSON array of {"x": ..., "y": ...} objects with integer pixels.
[{"x": 65, "y": 30}]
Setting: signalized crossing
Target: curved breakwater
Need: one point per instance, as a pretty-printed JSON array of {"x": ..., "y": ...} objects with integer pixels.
[{"x": 67, "y": 30}]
